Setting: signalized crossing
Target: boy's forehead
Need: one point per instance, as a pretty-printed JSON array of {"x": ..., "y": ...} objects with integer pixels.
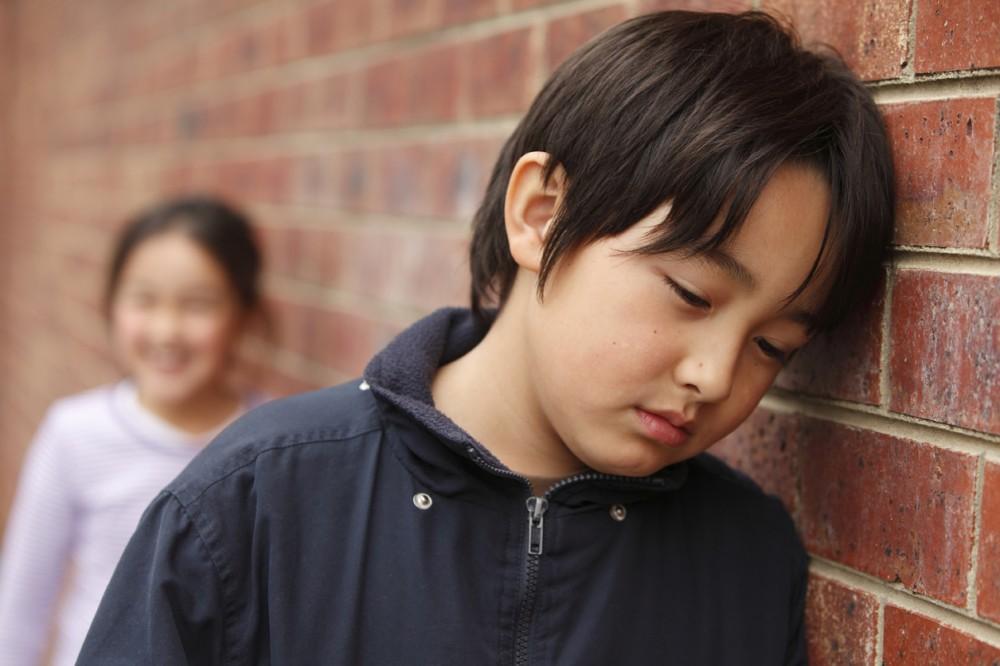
[{"x": 781, "y": 243}]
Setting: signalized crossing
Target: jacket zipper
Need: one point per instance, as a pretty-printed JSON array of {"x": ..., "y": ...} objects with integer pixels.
[{"x": 537, "y": 506}]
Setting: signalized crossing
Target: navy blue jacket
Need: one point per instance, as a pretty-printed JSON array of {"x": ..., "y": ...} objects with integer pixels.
[{"x": 358, "y": 525}]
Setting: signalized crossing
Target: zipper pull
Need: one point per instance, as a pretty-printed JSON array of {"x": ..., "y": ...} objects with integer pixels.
[{"x": 536, "y": 514}]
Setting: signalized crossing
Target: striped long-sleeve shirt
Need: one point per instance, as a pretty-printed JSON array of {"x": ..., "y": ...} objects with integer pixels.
[{"x": 97, "y": 461}]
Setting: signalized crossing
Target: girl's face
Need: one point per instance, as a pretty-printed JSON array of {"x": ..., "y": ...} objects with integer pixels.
[{"x": 176, "y": 320}]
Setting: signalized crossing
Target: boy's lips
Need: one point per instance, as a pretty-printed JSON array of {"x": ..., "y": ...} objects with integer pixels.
[{"x": 665, "y": 427}]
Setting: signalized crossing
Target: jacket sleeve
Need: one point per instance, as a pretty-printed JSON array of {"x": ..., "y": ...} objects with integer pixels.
[
  {"x": 164, "y": 604},
  {"x": 36, "y": 549}
]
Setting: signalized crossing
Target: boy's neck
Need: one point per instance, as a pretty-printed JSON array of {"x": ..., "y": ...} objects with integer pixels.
[{"x": 488, "y": 393}]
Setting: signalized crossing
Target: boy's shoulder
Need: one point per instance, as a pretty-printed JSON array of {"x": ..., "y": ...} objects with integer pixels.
[{"x": 281, "y": 429}]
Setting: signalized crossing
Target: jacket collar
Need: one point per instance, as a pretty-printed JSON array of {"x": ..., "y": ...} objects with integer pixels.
[{"x": 401, "y": 375}]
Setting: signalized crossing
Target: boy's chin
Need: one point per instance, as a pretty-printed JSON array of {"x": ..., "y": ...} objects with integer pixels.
[{"x": 642, "y": 464}]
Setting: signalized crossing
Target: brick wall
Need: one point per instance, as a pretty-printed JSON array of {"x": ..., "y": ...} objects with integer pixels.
[{"x": 360, "y": 133}]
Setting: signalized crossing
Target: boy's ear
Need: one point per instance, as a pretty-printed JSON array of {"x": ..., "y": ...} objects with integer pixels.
[{"x": 530, "y": 206}]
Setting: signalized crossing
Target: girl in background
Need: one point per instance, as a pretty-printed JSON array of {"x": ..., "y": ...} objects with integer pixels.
[{"x": 182, "y": 288}]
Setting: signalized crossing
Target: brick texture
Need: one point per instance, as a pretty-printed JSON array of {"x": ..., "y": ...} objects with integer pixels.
[
  {"x": 988, "y": 580},
  {"x": 915, "y": 640},
  {"x": 360, "y": 136},
  {"x": 871, "y": 35},
  {"x": 844, "y": 363},
  {"x": 564, "y": 35},
  {"x": 957, "y": 34},
  {"x": 943, "y": 362},
  {"x": 767, "y": 447},
  {"x": 842, "y": 624},
  {"x": 944, "y": 154},
  {"x": 891, "y": 507}
]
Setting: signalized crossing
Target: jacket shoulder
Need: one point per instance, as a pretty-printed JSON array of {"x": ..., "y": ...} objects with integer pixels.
[
  {"x": 730, "y": 497},
  {"x": 332, "y": 414}
]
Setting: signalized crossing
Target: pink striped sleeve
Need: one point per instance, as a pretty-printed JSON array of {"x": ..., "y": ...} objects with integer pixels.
[{"x": 36, "y": 548}]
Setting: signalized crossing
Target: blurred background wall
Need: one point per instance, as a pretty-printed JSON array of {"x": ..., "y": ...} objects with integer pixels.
[{"x": 359, "y": 134}]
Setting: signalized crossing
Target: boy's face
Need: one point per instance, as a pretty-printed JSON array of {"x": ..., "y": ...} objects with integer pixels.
[{"x": 641, "y": 361}]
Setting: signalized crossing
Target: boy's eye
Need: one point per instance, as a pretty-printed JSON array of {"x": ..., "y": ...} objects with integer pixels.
[
  {"x": 778, "y": 355},
  {"x": 689, "y": 297}
]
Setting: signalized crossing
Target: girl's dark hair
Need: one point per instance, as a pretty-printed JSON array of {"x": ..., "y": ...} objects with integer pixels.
[
  {"x": 220, "y": 230},
  {"x": 698, "y": 109}
]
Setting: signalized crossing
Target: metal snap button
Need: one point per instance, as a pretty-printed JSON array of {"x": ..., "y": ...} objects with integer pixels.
[
  {"x": 618, "y": 512},
  {"x": 364, "y": 386},
  {"x": 422, "y": 501}
]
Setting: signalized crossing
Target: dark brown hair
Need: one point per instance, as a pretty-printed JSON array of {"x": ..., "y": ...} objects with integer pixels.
[
  {"x": 219, "y": 229},
  {"x": 698, "y": 109}
]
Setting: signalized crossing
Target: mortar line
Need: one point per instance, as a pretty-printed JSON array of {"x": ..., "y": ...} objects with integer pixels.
[
  {"x": 895, "y": 425},
  {"x": 968, "y": 264},
  {"x": 326, "y": 296},
  {"x": 993, "y": 211},
  {"x": 880, "y": 632},
  {"x": 910, "y": 68},
  {"x": 885, "y": 353},
  {"x": 977, "y": 524},
  {"x": 906, "y": 251},
  {"x": 894, "y": 593},
  {"x": 306, "y": 142},
  {"x": 938, "y": 87}
]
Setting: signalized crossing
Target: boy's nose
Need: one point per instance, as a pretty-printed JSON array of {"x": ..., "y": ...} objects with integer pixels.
[{"x": 709, "y": 368}]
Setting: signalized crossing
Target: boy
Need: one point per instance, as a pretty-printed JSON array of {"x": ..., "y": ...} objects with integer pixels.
[{"x": 689, "y": 198}]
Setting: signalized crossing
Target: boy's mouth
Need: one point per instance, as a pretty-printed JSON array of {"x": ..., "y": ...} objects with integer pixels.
[{"x": 665, "y": 427}]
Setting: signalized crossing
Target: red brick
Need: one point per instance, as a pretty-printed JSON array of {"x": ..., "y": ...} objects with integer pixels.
[
  {"x": 427, "y": 180},
  {"x": 334, "y": 25},
  {"x": 273, "y": 382},
  {"x": 411, "y": 16},
  {"x": 891, "y": 507},
  {"x": 347, "y": 341},
  {"x": 871, "y": 35},
  {"x": 329, "y": 102},
  {"x": 317, "y": 180},
  {"x": 946, "y": 345},
  {"x": 957, "y": 34},
  {"x": 842, "y": 624},
  {"x": 766, "y": 447},
  {"x": 418, "y": 270},
  {"x": 564, "y": 35},
  {"x": 421, "y": 87},
  {"x": 916, "y": 640},
  {"x": 458, "y": 174},
  {"x": 944, "y": 153},
  {"x": 296, "y": 325},
  {"x": 988, "y": 579},
  {"x": 253, "y": 46},
  {"x": 501, "y": 72},
  {"x": 386, "y": 96},
  {"x": 696, "y": 5},
  {"x": 265, "y": 180},
  {"x": 843, "y": 363},
  {"x": 462, "y": 11},
  {"x": 526, "y": 4}
]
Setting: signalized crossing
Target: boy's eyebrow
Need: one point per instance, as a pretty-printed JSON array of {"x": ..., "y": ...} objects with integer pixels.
[
  {"x": 731, "y": 266},
  {"x": 807, "y": 319}
]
